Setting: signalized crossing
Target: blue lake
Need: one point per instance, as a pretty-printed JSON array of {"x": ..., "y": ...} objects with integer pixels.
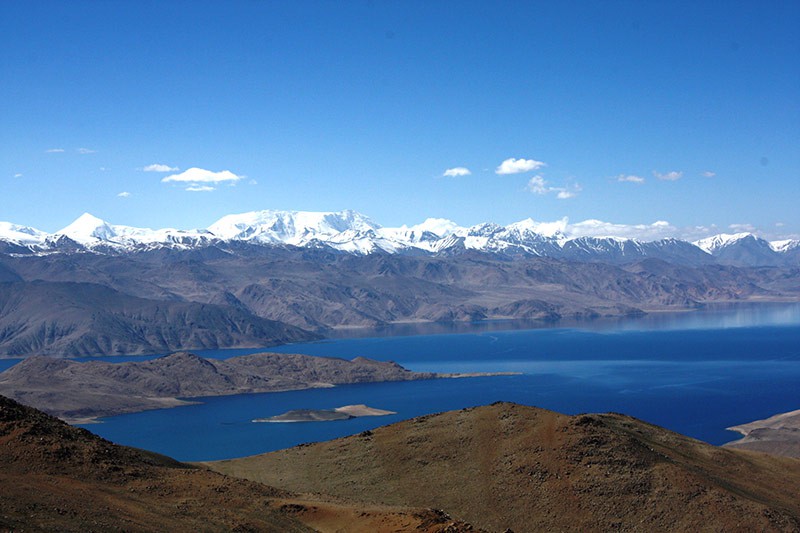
[{"x": 695, "y": 373}]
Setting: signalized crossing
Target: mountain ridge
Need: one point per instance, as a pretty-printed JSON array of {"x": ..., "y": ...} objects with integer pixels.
[
  {"x": 80, "y": 318},
  {"x": 351, "y": 232},
  {"x": 165, "y": 300},
  {"x": 101, "y": 289}
]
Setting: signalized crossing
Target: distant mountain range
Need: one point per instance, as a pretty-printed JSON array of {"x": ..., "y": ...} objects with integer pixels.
[
  {"x": 272, "y": 277},
  {"x": 353, "y": 233}
]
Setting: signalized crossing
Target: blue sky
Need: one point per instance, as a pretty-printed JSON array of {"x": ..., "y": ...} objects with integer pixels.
[{"x": 625, "y": 112}]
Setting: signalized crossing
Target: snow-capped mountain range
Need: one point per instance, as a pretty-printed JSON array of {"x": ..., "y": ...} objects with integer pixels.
[{"x": 354, "y": 233}]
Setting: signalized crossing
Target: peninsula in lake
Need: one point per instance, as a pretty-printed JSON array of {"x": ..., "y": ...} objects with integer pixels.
[
  {"x": 777, "y": 435},
  {"x": 81, "y": 392}
]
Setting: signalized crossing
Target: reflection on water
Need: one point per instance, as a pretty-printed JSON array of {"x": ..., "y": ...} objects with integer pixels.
[{"x": 711, "y": 316}]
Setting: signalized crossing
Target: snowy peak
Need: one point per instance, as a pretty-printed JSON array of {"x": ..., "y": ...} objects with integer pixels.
[
  {"x": 88, "y": 229},
  {"x": 786, "y": 245},
  {"x": 723, "y": 240},
  {"x": 551, "y": 230},
  {"x": 289, "y": 227},
  {"x": 440, "y": 227},
  {"x": 92, "y": 233},
  {"x": 353, "y": 233},
  {"x": 423, "y": 236},
  {"x": 745, "y": 249},
  {"x": 23, "y": 235}
]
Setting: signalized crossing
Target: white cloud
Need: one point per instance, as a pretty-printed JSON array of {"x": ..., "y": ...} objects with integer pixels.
[
  {"x": 196, "y": 175},
  {"x": 709, "y": 174},
  {"x": 517, "y": 166},
  {"x": 54, "y": 150},
  {"x": 742, "y": 228},
  {"x": 253, "y": 182},
  {"x": 18, "y": 175},
  {"x": 200, "y": 188},
  {"x": 538, "y": 185},
  {"x": 598, "y": 228},
  {"x": 124, "y": 194},
  {"x": 157, "y": 167},
  {"x": 457, "y": 171},
  {"x": 85, "y": 151},
  {"x": 779, "y": 224},
  {"x": 694, "y": 233},
  {"x": 630, "y": 178},
  {"x": 565, "y": 193},
  {"x": 660, "y": 229},
  {"x": 551, "y": 228},
  {"x": 669, "y": 176}
]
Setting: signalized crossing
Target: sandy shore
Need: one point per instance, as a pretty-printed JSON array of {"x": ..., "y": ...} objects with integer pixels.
[
  {"x": 778, "y": 435},
  {"x": 790, "y": 420},
  {"x": 362, "y": 410}
]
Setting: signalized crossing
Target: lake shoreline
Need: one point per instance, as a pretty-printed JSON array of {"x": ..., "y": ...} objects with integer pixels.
[
  {"x": 778, "y": 435},
  {"x": 84, "y": 392},
  {"x": 432, "y": 327}
]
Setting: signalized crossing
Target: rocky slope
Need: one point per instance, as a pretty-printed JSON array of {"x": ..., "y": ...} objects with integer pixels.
[
  {"x": 318, "y": 289},
  {"x": 74, "y": 319},
  {"x": 73, "y": 390},
  {"x": 59, "y": 478},
  {"x": 527, "y": 469}
]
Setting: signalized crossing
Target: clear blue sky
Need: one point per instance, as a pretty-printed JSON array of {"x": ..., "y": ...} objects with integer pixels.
[{"x": 365, "y": 105}]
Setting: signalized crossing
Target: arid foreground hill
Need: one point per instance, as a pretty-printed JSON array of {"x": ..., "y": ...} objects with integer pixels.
[
  {"x": 527, "y": 469},
  {"x": 54, "y": 477}
]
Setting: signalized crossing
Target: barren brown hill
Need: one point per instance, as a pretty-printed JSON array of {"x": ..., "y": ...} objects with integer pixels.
[
  {"x": 74, "y": 319},
  {"x": 527, "y": 469},
  {"x": 58, "y": 478},
  {"x": 73, "y": 390},
  {"x": 240, "y": 295}
]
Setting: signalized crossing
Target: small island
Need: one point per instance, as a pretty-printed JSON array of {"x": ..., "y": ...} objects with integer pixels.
[{"x": 345, "y": 412}]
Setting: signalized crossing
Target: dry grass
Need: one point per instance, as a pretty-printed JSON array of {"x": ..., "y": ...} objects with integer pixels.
[
  {"x": 508, "y": 466},
  {"x": 58, "y": 478}
]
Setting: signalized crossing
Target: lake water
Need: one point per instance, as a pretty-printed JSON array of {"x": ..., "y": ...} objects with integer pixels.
[{"x": 696, "y": 373}]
